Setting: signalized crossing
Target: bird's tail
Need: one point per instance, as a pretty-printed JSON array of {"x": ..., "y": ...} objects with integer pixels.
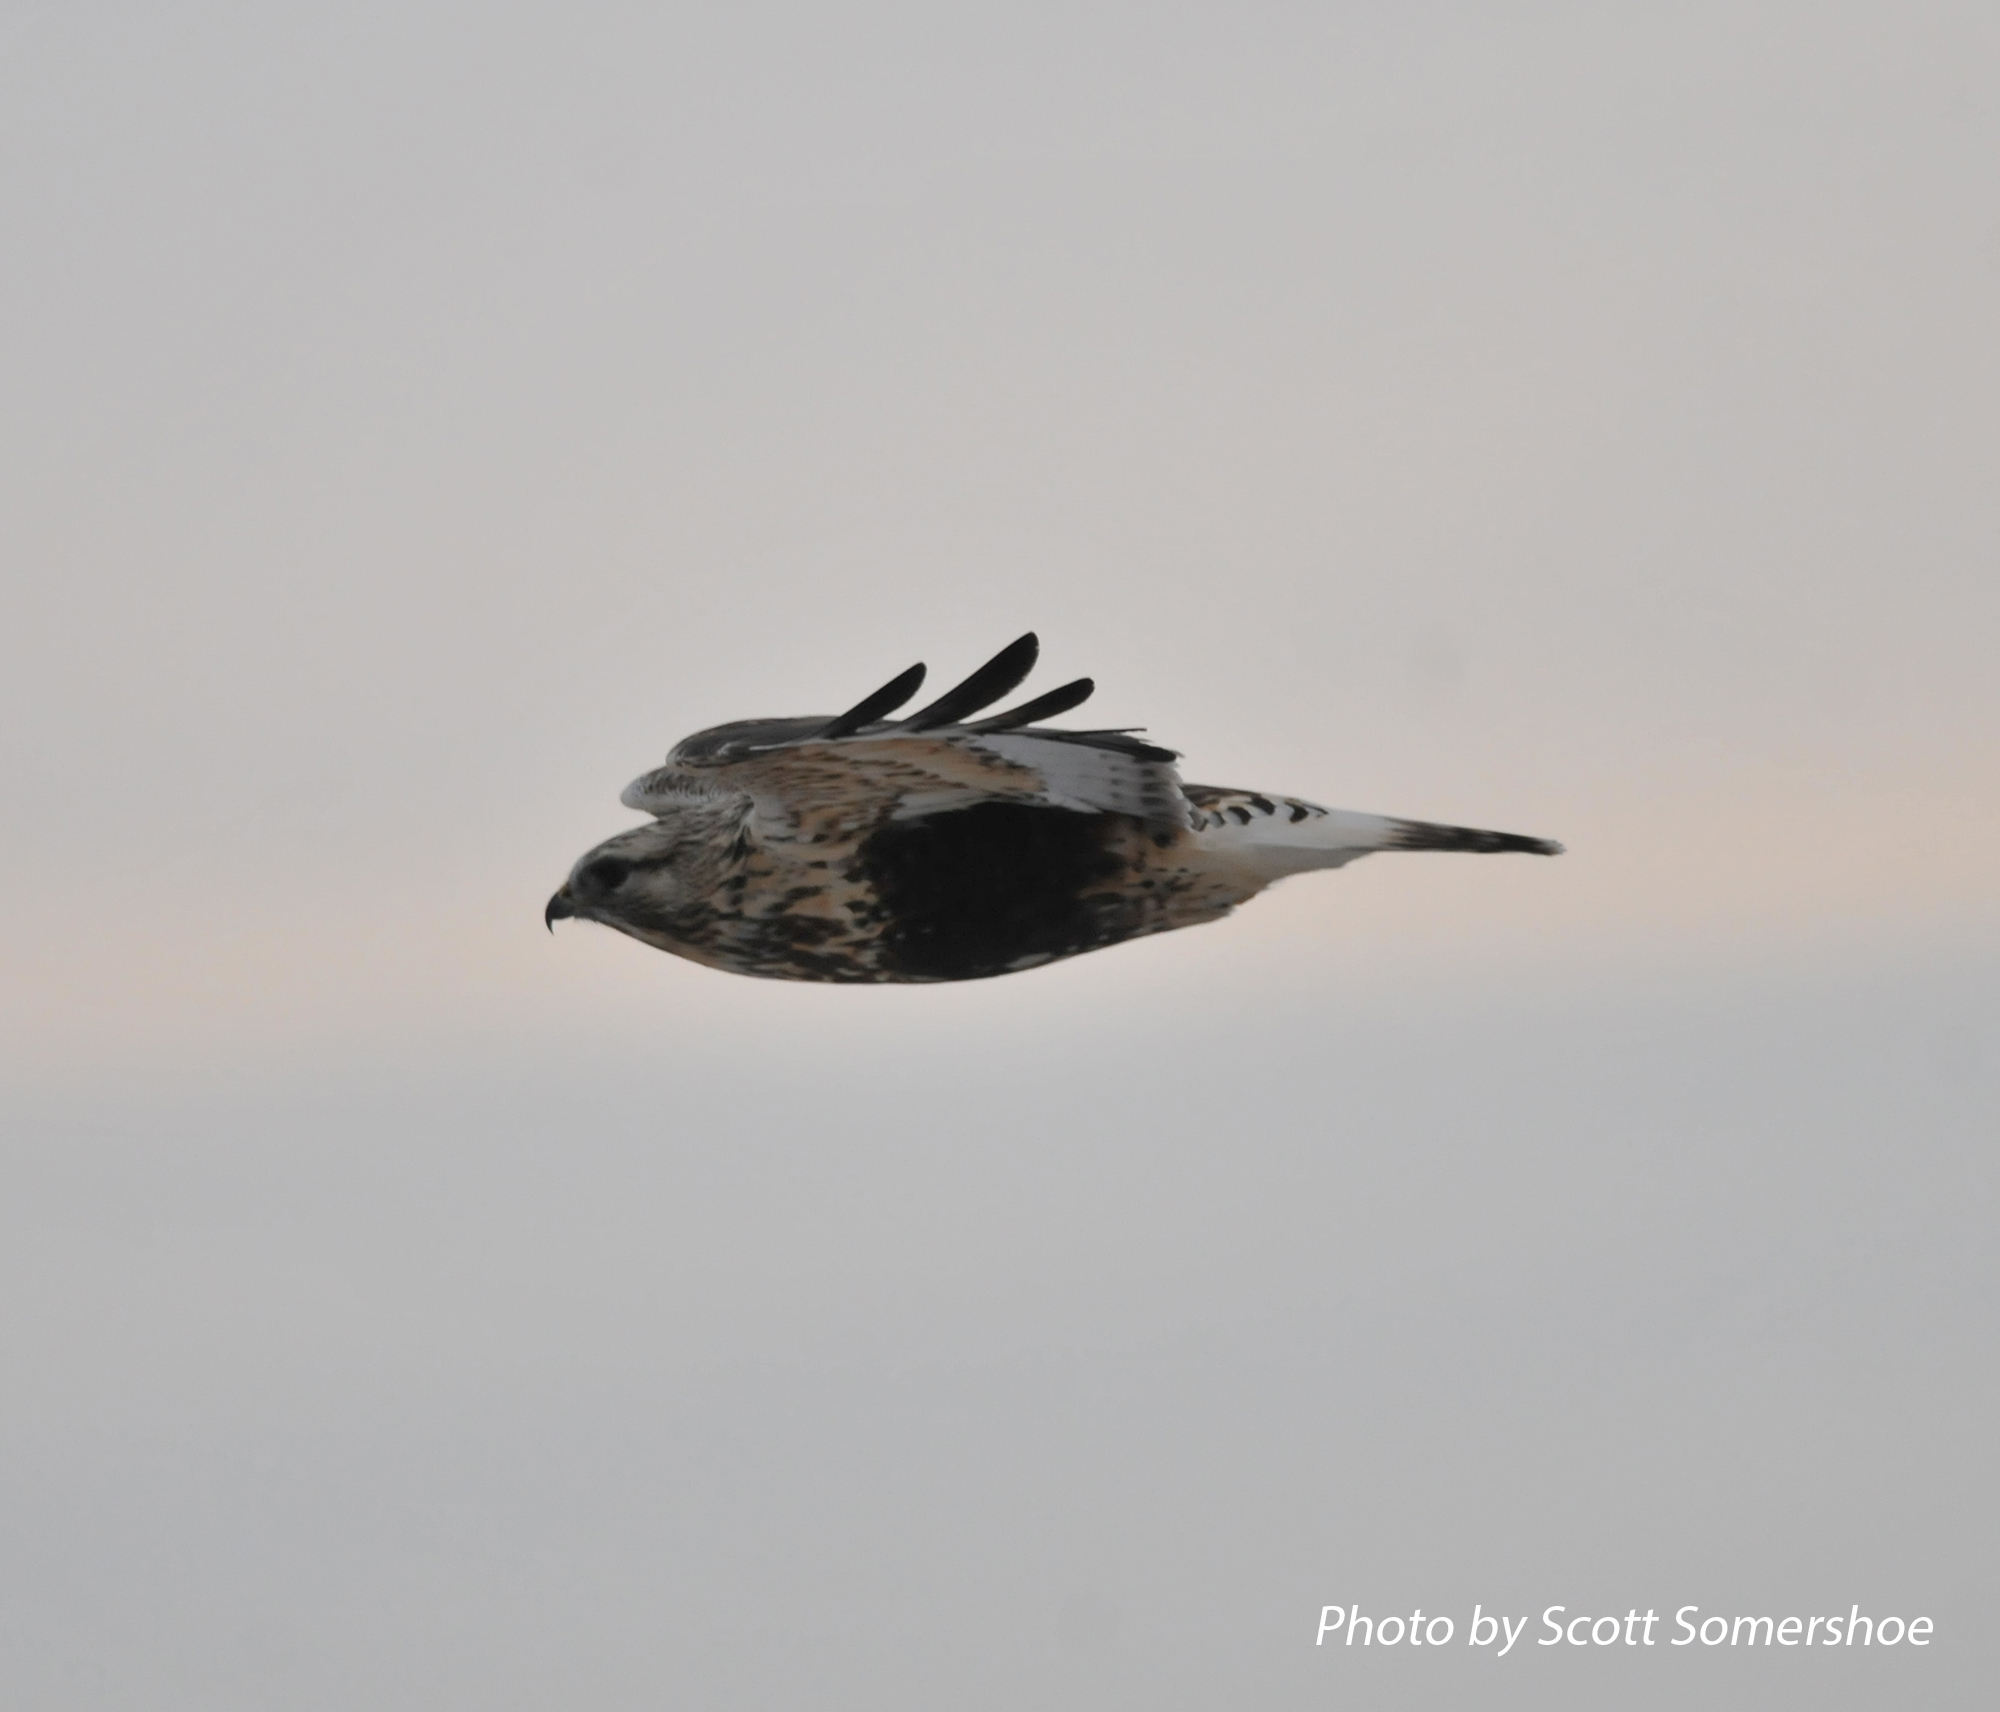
[{"x": 1275, "y": 836}]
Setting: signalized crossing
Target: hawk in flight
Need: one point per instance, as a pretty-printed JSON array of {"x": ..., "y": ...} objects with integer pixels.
[{"x": 944, "y": 847}]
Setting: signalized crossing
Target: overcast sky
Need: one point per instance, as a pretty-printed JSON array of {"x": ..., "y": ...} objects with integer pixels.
[{"x": 1576, "y": 420}]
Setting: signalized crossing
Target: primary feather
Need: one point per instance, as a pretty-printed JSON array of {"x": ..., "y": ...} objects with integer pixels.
[{"x": 935, "y": 848}]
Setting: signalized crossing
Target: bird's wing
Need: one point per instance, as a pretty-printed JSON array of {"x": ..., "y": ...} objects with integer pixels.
[{"x": 859, "y": 769}]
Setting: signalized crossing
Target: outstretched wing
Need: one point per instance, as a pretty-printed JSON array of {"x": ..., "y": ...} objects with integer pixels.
[{"x": 860, "y": 769}]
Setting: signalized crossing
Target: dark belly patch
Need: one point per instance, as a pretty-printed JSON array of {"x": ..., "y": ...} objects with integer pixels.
[{"x": 975, "y": 891}]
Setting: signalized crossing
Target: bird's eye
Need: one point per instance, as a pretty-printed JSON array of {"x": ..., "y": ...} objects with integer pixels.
[{"x": 607, "y": 873}]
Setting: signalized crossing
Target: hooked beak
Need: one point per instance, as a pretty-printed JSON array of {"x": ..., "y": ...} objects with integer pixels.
[{"x": 560, "y": 909}]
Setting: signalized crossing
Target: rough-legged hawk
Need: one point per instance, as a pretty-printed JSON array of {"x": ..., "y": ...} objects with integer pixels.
[{"x": 941, "y": 847}]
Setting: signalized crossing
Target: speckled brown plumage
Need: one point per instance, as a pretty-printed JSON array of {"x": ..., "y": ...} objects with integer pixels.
[{"x": 856, "y": 849}]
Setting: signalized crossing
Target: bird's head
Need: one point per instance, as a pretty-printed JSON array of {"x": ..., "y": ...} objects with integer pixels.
[
  {"x": 628, "y": 879},
  {"x": 656, "y": 882}
]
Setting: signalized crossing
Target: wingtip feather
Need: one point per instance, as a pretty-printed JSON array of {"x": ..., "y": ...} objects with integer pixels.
[
  {"x": 886, "y": 700},
  {"x": 998, "y": 677}
]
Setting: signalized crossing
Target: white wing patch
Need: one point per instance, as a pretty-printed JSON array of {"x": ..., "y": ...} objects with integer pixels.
[{"x": 1092, "y": 781}]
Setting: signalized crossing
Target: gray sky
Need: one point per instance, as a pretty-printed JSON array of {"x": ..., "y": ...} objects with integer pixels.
[{"x": 1575, "y": 420}]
